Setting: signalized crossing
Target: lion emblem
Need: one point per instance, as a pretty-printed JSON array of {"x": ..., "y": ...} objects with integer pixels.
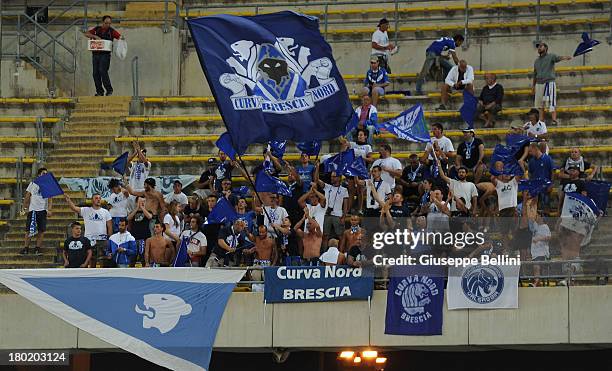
[
  {"x": 414, "y": 298},
  {"x": 162, "y": 311}
]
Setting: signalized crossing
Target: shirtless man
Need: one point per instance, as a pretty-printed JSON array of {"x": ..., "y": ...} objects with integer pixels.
[
  {"x": 154, "y": 201},
  {"x": 311, "y": 240},
  {"x": 264, "y": 250},
  {"x": 159, "y": 251},
  {"x": 350, "y": 236}
]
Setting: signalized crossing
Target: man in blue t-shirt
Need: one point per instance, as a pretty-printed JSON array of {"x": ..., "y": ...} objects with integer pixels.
[
  {"x": 541, "y": 166},
  {"x": 433, "y": 52},
  {"x": 376, "y": 81},
  {"x": 306, "y": 171}
]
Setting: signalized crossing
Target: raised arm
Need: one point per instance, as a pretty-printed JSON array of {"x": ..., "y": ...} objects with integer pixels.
[
  {"x": 71, "y": 204},
  {"x": 441, "y": 171}
]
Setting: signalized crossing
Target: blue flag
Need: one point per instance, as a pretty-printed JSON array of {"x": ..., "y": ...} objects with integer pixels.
[
  {"x": 265, "y": 182},
  {"x": 241, "y": 191},
  {"x": 414, "y": 300},
  {"x": 357, "y": 168},
  {"x": 409, "y": 125},
  {"x": 223, "y": 212},
  {"x": 340, "y": 162},
  {"x": 273, "y": 77},
  {"x": 167, "y": 317},
  {"x": 49, "y": 187},
  {"x": 182, "y": 257},
  {"x": 119, "y": 164},
  {"x": 507, "y": 156},
  {"x": 311, "y": 148},
  {"x": 586, "y": 45},
  {"x": 599, "y": 191},
  {"x": 224, "y": 143},
  {"x": 468, "y": 110},
  {"x": 534, "y": 186},
  {"x": 277, "y": 148}
]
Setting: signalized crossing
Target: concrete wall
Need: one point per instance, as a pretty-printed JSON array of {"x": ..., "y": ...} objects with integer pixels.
[{"x": 547, "y": 316}]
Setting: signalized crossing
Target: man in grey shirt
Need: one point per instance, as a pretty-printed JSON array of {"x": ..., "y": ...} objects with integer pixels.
[{"x": 544, "y": 87}]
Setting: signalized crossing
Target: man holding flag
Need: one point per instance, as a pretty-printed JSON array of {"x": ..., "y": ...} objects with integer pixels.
[{"x": 38, "y": 209}]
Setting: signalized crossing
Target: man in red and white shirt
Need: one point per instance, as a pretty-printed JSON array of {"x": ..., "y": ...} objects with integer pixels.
[{"x": 101, "y": 59}]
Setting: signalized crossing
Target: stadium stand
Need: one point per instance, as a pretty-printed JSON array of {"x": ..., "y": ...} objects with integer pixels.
[{"x": 179, "y": 130}]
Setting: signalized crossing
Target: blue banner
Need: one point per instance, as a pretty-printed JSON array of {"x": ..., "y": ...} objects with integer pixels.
[
  {"x": 414, "y": 300},
  {"x": 167, "y": 316},
  {"x": 312, "y": 284},
  {"x": 273, "y": 77},
  {"x": 468, "y": 109},
  {"x": 409, "y": 125}
]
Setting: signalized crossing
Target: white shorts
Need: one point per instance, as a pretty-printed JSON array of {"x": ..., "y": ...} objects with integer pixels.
[{"x": 546, "y": 96}]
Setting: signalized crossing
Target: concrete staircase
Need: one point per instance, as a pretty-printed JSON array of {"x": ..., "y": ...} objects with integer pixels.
[{"x": 83, "y": 143}]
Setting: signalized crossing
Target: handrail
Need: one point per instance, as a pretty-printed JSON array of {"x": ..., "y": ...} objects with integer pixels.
[{"x": 135, "y": 78}]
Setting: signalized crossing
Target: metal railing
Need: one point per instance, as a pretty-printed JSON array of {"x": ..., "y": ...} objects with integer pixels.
[
  {"x": 40, "y": 146},
  {"x": 18, "y": 187},
  {"x": 135, "y": 78}
]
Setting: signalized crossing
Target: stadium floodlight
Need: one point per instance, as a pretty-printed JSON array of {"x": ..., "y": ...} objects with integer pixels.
[
  {"x": 368, "y": 354},
  {"x": 347, "y": 354},
  {"x": 357, "y": 359},
  {"x": 381, "y": 360}
]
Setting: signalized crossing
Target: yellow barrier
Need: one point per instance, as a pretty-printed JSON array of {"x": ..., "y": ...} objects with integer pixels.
[
  {"x": 13, "y": 160},
  {"x": 6, "y": 202},
  {"x": 29, "y": 119},
  {"x": 36, "y": 100},
  {"x": 22, "y": 140},
  {"x": 296, "y": 156},
  {"x": 448, "y": 133}
]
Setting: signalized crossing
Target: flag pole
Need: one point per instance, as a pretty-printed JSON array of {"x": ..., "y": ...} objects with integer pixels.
[{"x": 253, "y": 185}]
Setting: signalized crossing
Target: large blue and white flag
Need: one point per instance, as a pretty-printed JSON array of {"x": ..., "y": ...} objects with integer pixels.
[
  {"x": 409, "y": 125},
  {"x": 415, "y": 300},
  {"x": 167, "y": 316},
  {"x": 483, "y": 287},
  {"x": 579, "y": 215},
  {"x": 273, "y": 77}
]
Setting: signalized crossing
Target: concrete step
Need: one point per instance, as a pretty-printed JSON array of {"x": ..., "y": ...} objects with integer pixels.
[
  {"x": 77, "y": 148},
  {"x": 80, "y": 159},
  {"x": 21, "y": 264},
  {"x": 36, "y": 259},
  {"x": 115, "y": 99},
  {"x": 91, "y": 129},
  {"x": 14, "y": 251},
  {"x": 76, "y": 173},
  {"x": 18, "y": 236},
  {"x": 69, "y": 153}
]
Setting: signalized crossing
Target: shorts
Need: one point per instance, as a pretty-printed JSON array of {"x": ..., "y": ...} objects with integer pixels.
[
  {"x": 493, "y": 110},
  {"x": 381, "y": 91},
  {"x": 522, "y": 239},
  {"x": 462, "y": 87},
  {"x": 546, "y": 96},
  {"x": 332, "y": 228},
  {"x": 540, "y": 259},
  {"x": 41, "y": 221}
]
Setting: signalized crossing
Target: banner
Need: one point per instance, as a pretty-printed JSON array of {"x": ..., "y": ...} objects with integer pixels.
[
  {"x": 167, "y": 316},
  {"x": 579, "y": 215},
  {"x": 273, "y": 77},
  {"x": 100, "y": 184},
  {"x": 409, "y": 125},
  {"x": 414, "y": 300},
  {"x": 313, "y": 284},
  {"x": 483, "y": 287}
]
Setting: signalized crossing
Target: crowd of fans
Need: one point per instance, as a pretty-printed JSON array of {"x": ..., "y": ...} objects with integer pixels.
[{"x": 325, "y": 218}]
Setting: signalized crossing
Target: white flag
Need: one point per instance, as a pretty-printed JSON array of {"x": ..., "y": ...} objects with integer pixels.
[
  {"x": 483, "y": 287},
  {"x": 579, "y": 214}
]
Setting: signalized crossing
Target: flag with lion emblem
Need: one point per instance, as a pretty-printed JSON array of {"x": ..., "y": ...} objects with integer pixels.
[
  {"x": 483, "y": 286},
  {"x": 273, "y": 77}
]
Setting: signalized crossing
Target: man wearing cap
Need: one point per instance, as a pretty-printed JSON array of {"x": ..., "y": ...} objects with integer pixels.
[
  {"x": 208, "y": 176},
  {"x": 460, "y": 77},
  {"x": 544, "y": 87},
  {"x": 434, "y": 53},
  {"x": 573, "y": 184},
  {"x": 376, "y": 81},
  {"x": 381, "y": 47},
  {"x": 470, "y": 154}
]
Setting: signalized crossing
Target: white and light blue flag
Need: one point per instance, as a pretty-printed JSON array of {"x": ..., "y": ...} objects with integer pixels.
[
  {"x": 483, "y": 287},
  {"x": 579, "y": 215},
  {"x": 167, "y": 316}
]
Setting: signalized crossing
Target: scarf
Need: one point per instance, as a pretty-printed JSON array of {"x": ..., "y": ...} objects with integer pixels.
[{"x": 579, "y": 163}]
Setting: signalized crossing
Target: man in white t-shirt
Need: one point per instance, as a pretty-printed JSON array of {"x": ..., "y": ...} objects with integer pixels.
[
  {"x": 535, "y": 128},
  {"x": 378, "y": 185},
  {"x": 195, "y": 244},
  {"x": 98, "y": 225},
  {"x": 38, "y": 209},
  {"x": 507, "y": 192},
  {"x": 462, "y": 190},
  {"x": 118, "y": 201},
  {"x": 274, "y": 214},
  {"x": 391, "y": 167},
  {"x": 381, "y": 47},
  {"x": 139, "y": 170},
  {"x": 337, "y": 205},
  {"x": 445, "y": 144},
  {"x": 317, "y": 205},
  {"x": 177, "y": 195}
]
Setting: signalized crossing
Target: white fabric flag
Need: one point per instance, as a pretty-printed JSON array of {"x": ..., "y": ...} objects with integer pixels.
[{"x": 483, "y": 287}]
